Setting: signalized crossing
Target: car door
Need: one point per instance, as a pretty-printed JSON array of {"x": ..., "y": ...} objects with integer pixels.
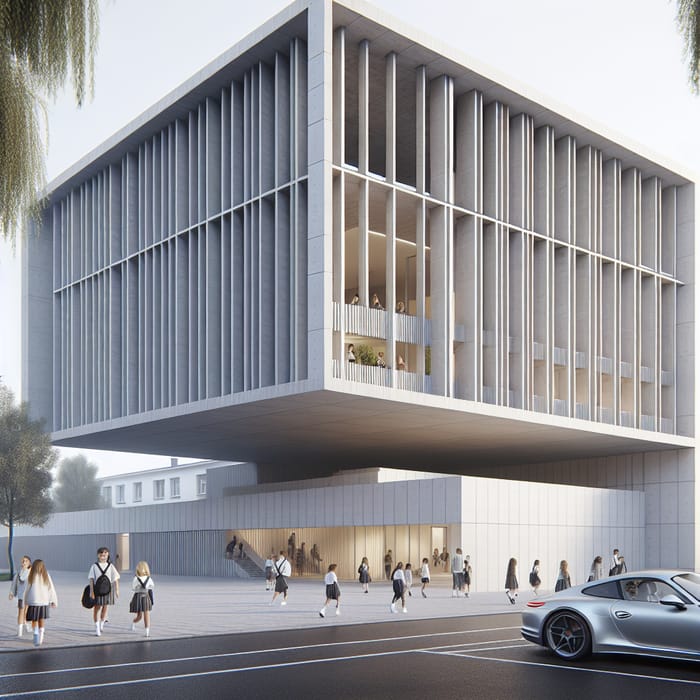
[{"x": 648, "y": 624}]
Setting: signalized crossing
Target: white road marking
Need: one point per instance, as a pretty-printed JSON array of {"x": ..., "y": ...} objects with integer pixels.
[
  {"x": 272, "y": 650},
  {"x": 622, "y": 674}
]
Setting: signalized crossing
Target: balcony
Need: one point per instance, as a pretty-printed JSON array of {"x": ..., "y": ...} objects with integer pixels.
[
  {"x": 373, "y": 323},
  {"x": 384, "y": 377}
]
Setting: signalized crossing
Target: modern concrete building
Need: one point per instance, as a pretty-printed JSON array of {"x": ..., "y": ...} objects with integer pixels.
[{"x": 192, "y": 288}]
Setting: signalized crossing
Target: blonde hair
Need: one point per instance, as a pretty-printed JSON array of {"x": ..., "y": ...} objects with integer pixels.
[
  {"x": 142, "y": 569},
  {"x": 38, "y": 570}
]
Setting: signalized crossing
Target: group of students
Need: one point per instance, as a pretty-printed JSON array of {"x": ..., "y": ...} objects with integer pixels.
[
  {"x": 563, "y": 581},
  {"x": 36, "y": 595}
]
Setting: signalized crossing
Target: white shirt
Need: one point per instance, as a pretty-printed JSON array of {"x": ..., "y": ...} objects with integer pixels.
[
  {"x": 331, "y": 578},
  {"x": 398, "y": 575},
  {"x": 425, "y": 571},
  {"x": 284, "y": 567},
  {"x": 110, "y": 572},
  {"x": 136, "y": 584},
  {"x": 40, "y": 593}
]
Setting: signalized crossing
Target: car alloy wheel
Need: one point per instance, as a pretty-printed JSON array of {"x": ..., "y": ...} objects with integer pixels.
[{"x": 568, "y": 636}]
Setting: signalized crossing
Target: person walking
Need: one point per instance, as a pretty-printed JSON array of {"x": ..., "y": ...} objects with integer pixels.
[
  {"x": 269, "y": 573},
  {"x": 398, "y": 583},
  {"x": 17, "y": 591},
  {"x": 39, "y": 596},
  {"x": 141, "y": 602},
  {"x": 104, "y": 587},
  {"x": 563, "y": 579},
  {"x": 535, "y": 580},
  {"x": 444, "y": 558},
  {"x": 512, "y": 580},
  {"x": 363, "y": 570},
  {"x": 388, "y": 561},
  {"x": 283, "y": 570},
  {"x": 596, "y": 572},
  {"x": 424, "y": 576},
  {"x": 332, "y": 590},
  {"x": 467, "y": 576},
  {"x": 614, "y": 563},
  {"x": 408, "y": 577},
  {"x": 457, "y": 573}
]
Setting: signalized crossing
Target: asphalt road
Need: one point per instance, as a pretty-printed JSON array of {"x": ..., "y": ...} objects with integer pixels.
[{"x": 480, "y": 657}]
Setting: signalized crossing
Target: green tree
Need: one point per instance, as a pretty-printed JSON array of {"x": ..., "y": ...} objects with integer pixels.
[
  {"x": 41, "y": 43},
  {"x": 26, "y": 460},
  {"x": 688, "y": 18},
  {"x": 77, "y": 487},
  {"x": 366, "y": 355}
]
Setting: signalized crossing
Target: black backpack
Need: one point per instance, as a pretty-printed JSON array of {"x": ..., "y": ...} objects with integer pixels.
[
  {"x": 103, "y": 586},
  {"x": 86, "y": 600}
]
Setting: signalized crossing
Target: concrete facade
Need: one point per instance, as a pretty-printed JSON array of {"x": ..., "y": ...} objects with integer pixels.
[{"x": 192, "y": 288}]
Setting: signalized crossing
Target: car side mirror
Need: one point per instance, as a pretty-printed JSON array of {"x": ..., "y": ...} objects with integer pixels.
[{"x": 673, "y": 601}]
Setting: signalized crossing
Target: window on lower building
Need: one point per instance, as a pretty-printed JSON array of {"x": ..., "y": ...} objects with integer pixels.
[
  {"x": 159, "y": 489},
  {"x": 201, "y": 484},
  {"x": 107, "y": 496},
  {"x": 138, "y": 492},
  {"x": 175, "y": 487},
  {"x": 121, "y": 498}
]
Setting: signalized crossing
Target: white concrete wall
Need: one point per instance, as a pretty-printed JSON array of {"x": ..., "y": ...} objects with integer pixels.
[{"x": 489, "y": 519}]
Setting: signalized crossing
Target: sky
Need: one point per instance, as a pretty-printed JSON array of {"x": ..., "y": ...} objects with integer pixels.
[{"x": 616, "y": 62}]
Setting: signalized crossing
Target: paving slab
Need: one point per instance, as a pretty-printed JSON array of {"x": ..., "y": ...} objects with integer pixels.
[{"x": 197, "y": 606}]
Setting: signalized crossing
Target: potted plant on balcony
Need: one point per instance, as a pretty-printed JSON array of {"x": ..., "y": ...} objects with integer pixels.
[{"x": 365, "y": 355}]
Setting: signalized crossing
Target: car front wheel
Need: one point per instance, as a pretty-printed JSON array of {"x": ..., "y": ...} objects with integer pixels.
[{"x": 568, "y": 636}]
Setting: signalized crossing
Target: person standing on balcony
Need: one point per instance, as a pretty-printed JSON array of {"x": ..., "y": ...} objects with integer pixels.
[
  {"x": 376, "y": 304},
  {"x": 400, "y": 308},
  {"x": 381, "y": 362},
  {"x": 351, "y": 353},
  {"x": 355, "y": 300},
  {"x": 400, "y": 363}
]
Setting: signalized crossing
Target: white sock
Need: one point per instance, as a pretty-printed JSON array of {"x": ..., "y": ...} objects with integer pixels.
[
  {"x": 148, "y": 631},
  {"x": 19, "y": 630},
  {"x": 98, "y": 632},
  {"x": 41, "y": 635}
]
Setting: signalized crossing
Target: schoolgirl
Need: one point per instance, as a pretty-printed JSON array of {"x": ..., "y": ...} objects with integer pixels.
[
  {"x": 100, "y": 567},
  {"x": 467, "y": 576},
  {"x": 141, "y": 602},
  {"x": 424, "y": 575},
  {"x": 363, "y": 570},
  {"x": 332, "y": 590},
  {"x": 39, "y": 595},
  {"x": 398, "y": 582},
  {"x": 563, "y": 579},
  {"x": 17, "y": 591},
  {"x": 269, "y": 575},
  {"x": 408, "y": 576},
  {"x": 512, "y": 580},
  {"x": 535, "y": 580}
]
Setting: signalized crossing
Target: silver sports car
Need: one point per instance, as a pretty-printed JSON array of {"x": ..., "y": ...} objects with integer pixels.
[{"x": 647, "y": 612}]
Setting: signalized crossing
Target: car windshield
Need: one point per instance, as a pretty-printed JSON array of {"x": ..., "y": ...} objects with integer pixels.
[{"x": 690, "y": 583}]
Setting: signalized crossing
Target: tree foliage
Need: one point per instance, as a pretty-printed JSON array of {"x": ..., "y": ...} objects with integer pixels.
[
  {"x": 77, "y": 487},
  {"x": 42, "y": 42},
  {"x": 688, "y": 18},
  {"x": 26, "y": 460}
]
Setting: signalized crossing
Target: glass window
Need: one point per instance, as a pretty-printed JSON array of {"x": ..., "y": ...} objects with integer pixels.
[
  {"x": 690, "y": 583},
  {"x": 645, "y": 590},
  {"x": 201, "y": 484},
  {"x": 159, "y": 489},
  {"x": 175, "y": 487},
  {"x": 609, "y": 589},
  {"x": 120, "y": 494},
  {"x": 138, "y": 491},
  {"x": 107, "y": 495}
]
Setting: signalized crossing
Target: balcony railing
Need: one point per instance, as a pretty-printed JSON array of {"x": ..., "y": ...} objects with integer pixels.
[
  {"x": 373, "y": 323},
  {"x": 381, "y": 376}
]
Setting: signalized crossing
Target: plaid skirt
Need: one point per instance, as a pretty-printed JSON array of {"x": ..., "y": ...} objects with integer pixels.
[
  {"x": 281, "y": 584},
  {"x": 140, "y": 602},
  {"x": 105, "y": 599},
  {"x": 332, "y": 591},
  {"x": 37, "y": 612}
]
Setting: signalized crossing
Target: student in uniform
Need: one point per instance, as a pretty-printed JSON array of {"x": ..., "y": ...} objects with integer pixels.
[
  {"x": 398, "y": 582},
  {"x": 39, "y": 596},
  {"x": 17, "y": 591},
  {"x": 424, "y": 575},
  {"x": 100, "y": 567},
  {"x": 332, "y": 590},
  {"x": 141, "y": 603}
]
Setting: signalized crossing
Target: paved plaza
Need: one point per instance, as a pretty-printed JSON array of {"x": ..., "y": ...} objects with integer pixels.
[{"x": 186, "y": 607}]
